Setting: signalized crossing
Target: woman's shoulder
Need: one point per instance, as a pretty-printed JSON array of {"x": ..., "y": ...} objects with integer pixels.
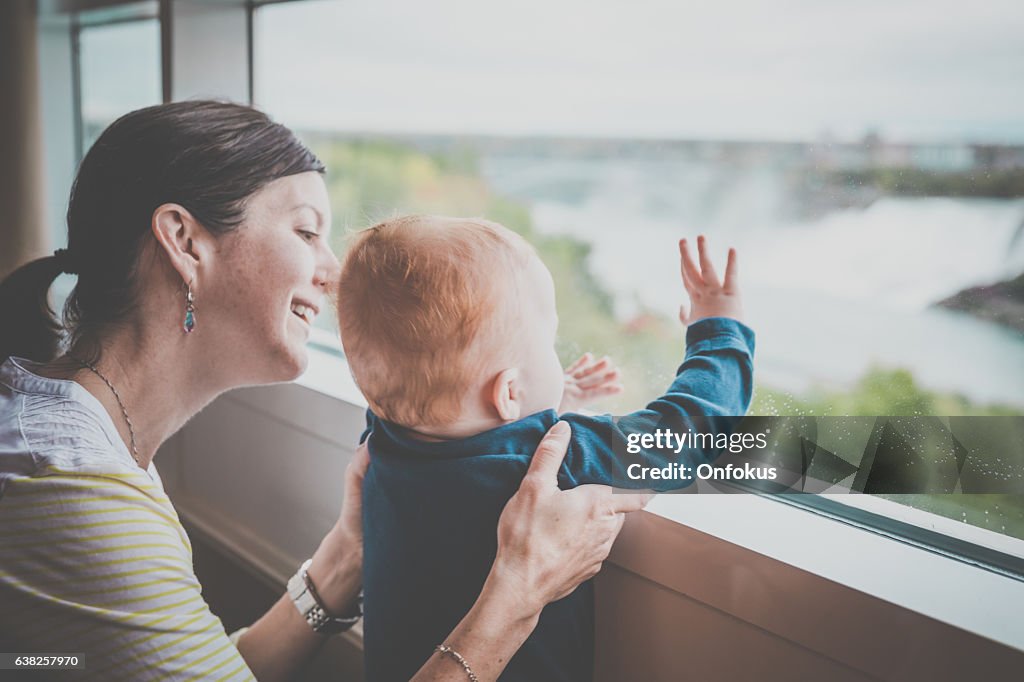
[{"x": 51, "y": 425}]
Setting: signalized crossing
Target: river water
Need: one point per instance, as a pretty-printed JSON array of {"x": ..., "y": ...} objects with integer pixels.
[{"x": 830, "y": 291}]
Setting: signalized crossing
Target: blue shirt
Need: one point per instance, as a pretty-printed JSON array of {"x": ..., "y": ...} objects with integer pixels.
[{"x": 430, "y": 510}]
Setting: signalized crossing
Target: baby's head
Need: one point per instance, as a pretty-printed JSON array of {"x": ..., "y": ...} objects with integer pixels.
[{"x": 449, "y": 324}]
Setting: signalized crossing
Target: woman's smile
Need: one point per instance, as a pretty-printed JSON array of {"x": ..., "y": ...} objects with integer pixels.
[{"x": 306, "y": 312}]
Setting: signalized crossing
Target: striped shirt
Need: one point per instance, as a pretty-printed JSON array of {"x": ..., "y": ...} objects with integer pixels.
[{"x": 93, "y": 558}]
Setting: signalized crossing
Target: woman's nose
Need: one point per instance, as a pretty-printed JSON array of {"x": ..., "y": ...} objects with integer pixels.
[{"x": 329, "y": 270}]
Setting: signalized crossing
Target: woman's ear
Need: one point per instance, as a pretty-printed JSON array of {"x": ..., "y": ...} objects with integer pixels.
[
  {"x": 505, "y": 394},
  {"x": 182, "y": 238}
]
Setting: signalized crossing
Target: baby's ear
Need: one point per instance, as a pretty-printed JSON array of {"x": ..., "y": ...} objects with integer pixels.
[{"x": 505, "y": 394}]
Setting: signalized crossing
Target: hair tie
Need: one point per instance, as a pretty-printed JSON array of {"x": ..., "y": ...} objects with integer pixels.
[{"x": 64, "y": 261}]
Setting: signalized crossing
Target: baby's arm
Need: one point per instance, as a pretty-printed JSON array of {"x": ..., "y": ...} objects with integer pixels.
[
  {"x": 588, "y": 379},
  {"x": 715, "y": 380}
]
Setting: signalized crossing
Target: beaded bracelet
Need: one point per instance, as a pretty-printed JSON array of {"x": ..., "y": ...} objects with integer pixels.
[{"x": 446, "y": 650}]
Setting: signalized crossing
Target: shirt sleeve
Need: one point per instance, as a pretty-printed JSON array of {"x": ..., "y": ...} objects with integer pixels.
[
  {"x": 100, "y": 566},
  {"x": 710, "y": 394}
]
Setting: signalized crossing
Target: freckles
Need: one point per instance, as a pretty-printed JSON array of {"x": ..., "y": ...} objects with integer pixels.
[
  {"x": 257, "y": 259},
  {"x": 243, "y": 257}
]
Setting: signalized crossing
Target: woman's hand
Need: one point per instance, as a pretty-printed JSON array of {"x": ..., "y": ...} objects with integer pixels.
[
  {"x": 338, "y": 563},
  {"x": 551, "y": 540},
  {"x": 350, "y": 521},
  {"x": 588, "y": 379}
]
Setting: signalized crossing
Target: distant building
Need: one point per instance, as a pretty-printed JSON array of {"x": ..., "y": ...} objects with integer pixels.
[{"x": 942, "y": 157}]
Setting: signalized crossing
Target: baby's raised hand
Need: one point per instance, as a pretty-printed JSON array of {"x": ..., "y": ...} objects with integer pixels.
[
  {"x": 709, "y": 297},
  {"x": 586, "y": 380}
]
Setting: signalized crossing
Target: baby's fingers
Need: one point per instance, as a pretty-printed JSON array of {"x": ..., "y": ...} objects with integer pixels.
[
  {"x": 691, "y": 275},
  {"x": 731, "y": 273},
  {"x": 595, "y": 380},
  {"x": 587, "y": 370},
  {"x": 603, "y": 391},
  {"x": 580, "y": 362},
  {"x": 706, "y": 266}
]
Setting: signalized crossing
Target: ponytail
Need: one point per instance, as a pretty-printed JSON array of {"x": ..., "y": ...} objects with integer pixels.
[{"x": 28, "y": 327}]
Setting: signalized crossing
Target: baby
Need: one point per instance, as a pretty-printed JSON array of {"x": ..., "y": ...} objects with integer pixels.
[{"x": 449, "y": 327}]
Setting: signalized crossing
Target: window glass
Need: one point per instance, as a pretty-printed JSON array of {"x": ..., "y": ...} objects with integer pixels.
[
  {"x": 96, "y": 66},
  {"x": 119, "y": 71},
  {"x": 866, "y": 159}
]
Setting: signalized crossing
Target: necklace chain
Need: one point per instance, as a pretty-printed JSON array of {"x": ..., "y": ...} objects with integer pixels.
[{"x": 120, "y": 403}]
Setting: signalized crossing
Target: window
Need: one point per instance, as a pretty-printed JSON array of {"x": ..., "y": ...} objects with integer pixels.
[
  {"x": 119, "y": 66},
  {"x": 868, "y": 163},
  {"x": 96, "y": 65}
]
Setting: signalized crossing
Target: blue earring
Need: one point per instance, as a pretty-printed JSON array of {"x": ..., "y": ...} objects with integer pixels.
[{"x": 190, "y": 310}]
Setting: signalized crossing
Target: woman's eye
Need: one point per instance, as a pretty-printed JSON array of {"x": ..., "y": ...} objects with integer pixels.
[{"x": 308, "y": 236}]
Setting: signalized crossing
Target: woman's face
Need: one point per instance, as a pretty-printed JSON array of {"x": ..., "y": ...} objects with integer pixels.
[{"x": 269, "y": 283}]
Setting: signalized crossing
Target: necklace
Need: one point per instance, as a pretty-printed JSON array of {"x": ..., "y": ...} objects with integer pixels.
[{"x": 117, "y": 396}]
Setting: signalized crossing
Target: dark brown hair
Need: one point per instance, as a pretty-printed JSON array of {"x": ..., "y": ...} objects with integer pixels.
[{"x": 207, "y": 156}]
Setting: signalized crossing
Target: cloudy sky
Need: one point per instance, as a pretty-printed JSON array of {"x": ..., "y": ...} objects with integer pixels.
[
  {"x": 746, "y": 69},
  {"x": 788, "y": 69}
]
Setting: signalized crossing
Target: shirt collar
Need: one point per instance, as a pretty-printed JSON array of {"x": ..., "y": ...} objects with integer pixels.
[
  {"x": 18, "y": 374},
  {"x": 515, "y": 438}
]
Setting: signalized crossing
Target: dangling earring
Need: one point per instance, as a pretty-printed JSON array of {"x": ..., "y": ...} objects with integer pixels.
[{"x": 190, "y": 309}]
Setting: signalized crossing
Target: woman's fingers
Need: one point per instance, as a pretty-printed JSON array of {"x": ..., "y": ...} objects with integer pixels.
[
  {"x": 603, "y": 497},
  {"x": 623, "y": 503},
  {"x": 618, "y": 502},
  {"x": 549, "y": 454},
  {"x": 355, "y": 472},
  {"x": 360, "y": 461},
  {"x": 350, "y": 520}
]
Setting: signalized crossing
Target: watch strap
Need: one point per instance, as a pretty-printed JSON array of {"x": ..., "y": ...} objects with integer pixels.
[{"x": 309, "y": 605}]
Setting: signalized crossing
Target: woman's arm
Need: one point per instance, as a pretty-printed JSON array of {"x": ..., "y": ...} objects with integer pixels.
[{"x": 549, "y": 541}]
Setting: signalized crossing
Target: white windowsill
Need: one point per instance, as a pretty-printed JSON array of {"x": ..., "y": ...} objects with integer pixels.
[{"x": 971, "y": 598}]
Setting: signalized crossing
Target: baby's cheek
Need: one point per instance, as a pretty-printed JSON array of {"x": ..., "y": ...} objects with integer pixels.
[{"x": 557, "y": 382}]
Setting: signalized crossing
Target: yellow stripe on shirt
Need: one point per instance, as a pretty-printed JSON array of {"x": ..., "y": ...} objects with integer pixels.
[{"x": 101, "y": 564}]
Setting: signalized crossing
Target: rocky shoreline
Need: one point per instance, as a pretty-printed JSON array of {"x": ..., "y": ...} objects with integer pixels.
[{"x": 1002, "y": 303}]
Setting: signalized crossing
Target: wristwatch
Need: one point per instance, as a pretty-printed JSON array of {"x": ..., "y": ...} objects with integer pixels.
[{"x": 311, "y": 608}]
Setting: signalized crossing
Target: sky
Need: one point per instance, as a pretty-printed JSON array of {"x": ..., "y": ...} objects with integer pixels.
[
  {"x": 912, "y": 70},
  {"x": 735, "y": 69}
]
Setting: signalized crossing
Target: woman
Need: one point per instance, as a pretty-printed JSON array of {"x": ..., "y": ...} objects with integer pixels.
[{"x": 198, "y": 231}]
